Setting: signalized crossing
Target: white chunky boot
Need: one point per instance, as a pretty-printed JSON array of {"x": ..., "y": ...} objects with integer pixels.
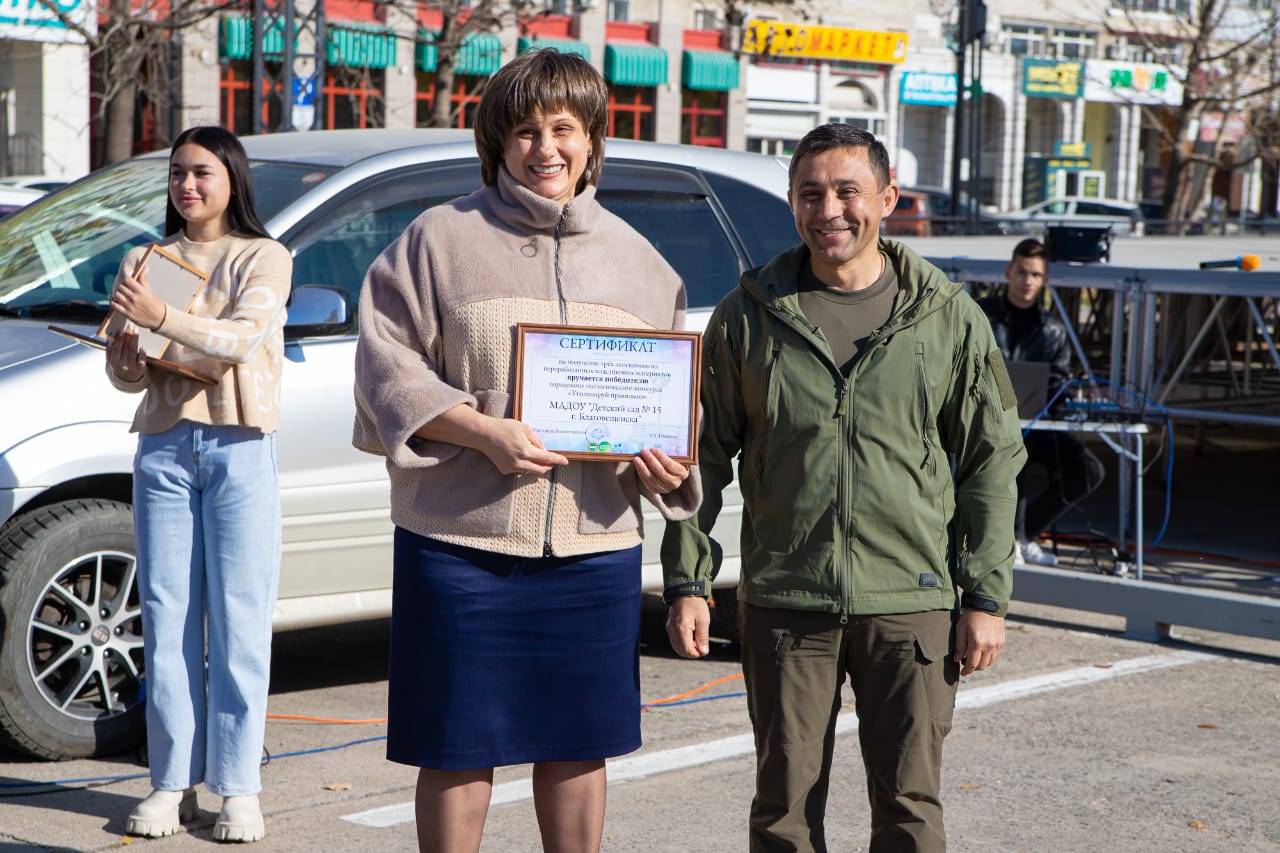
[
  {"x": 162, "y": 813},
  {"x": 239, "y": 820}
]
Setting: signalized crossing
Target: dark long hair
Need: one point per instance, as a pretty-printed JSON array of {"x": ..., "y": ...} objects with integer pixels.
[{"x": 222, "y": 143}]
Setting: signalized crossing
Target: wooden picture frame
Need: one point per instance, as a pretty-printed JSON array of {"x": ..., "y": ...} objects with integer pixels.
[{"x": 177, "y": 283}]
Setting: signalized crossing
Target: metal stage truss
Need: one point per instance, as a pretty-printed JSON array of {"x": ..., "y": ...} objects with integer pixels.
[
  {"x": 1168, "y": 346},
  {"x": 1193, "y": 345}
]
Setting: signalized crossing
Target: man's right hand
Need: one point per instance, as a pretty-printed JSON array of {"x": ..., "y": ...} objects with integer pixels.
[{"x": 689, "y": 626}]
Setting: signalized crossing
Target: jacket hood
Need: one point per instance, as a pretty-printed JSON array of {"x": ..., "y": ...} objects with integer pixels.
[{"x": 926, "y": 287}]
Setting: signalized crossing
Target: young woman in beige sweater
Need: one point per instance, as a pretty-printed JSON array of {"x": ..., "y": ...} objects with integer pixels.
[{"x": 206, "y": 498}]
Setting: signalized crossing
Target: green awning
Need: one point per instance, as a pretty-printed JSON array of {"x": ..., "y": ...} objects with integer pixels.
[
  {"x": 480, "y": 54},
  {"x": 235, "y": 38},
  {"x": 634, "y": 64},
  {"x": 358, "y": 45},
  {"x": 562, "y": 45},
  {"x": 716, "y": 70}
]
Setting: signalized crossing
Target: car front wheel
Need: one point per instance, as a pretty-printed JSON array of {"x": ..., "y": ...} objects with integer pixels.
[{"x": 71, "y": 648}]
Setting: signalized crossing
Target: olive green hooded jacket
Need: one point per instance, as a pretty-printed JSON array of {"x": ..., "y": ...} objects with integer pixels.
[{"x": 880, "y": 493}]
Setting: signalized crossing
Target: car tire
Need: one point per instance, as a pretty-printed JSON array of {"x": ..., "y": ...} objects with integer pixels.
[
  {"x": 71, "y": 631},
  {"x": 725, "y": 600}
]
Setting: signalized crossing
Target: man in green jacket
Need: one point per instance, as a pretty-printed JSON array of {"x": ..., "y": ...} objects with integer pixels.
[{"x": 876, "y": 437}]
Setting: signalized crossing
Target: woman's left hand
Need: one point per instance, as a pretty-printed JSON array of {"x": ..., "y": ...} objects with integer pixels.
[{"x": 659, "y": 472}]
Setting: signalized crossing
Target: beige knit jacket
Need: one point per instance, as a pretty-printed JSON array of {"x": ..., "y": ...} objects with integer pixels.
[{"x": 437, "y": 329}]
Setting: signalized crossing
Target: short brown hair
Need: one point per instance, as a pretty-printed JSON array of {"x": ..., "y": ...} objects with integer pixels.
[
  {"x": 1030, "y": 248},
  {"x": 543, "y": 81}
]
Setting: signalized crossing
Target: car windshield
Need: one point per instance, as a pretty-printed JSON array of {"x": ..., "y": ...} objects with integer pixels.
[{"x": 59, "y": 256}]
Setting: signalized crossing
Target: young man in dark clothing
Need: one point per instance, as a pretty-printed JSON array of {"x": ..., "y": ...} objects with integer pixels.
[{"x": 1026, "y": 331}]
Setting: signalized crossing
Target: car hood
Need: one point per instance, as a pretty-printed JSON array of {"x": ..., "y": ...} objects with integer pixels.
[
  {"x": 24, "y": 340},
  {"x": 48, "y": 381}
]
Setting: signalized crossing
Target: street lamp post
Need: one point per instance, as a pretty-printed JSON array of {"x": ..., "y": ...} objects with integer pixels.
[{"x": 971, "y": 26}]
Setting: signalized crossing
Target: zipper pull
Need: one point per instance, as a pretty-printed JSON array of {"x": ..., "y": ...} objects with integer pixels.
[
  {"x": 546, "y": 550},
  {"x": 841, "y": 408}
]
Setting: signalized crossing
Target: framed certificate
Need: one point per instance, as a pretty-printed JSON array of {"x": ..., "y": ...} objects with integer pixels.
[
  {"x": 595, "y": 393},
  {"x": 177, "y": 283}
]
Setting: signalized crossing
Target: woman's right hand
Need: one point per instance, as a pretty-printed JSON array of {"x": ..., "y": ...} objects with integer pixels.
[
  {"x": 126, "y": 359},
  {"x": 514, "y": 448}
]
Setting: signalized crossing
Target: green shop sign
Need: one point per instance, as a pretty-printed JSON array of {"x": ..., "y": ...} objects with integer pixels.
[{"x": 1052, "y": 78}]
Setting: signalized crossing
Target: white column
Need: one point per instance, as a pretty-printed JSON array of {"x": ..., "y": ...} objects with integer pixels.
[
  {"x": 400, "y": 94},
  {"x": 1133, "y": 153},
  {"x": 1017, "y": 148},
  {"x": 1075, "y": 117},
  {"x": 735, "y": 117},
  {"x": 51, "y": 105},
  {"x": 666, "y": 119},
  {"x": 198, "y": 92}
]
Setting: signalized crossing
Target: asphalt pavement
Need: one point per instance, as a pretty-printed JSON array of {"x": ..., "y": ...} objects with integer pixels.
[{"x": 1079, "y": 739}]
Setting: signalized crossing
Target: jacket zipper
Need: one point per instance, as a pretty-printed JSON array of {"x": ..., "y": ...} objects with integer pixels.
[
  {"x": 551, "y": 475},
  {"x": 926, "y": 407}
]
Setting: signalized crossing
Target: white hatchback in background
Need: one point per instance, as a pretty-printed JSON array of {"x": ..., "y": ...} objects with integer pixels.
[
  {"x": 71, "y": 647},
  {"x": 13, "y": 199},
  {"x": 1124, "y": 219}
]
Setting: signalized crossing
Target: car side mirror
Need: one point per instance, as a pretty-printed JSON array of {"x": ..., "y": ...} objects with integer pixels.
[{"x": 317, "y": 310}]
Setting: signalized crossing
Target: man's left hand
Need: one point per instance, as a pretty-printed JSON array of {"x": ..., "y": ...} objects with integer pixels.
[{"x": 979, "y": 639}]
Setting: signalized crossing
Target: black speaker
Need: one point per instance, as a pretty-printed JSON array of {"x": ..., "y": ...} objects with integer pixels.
[{"x": 1078, "y": 244}]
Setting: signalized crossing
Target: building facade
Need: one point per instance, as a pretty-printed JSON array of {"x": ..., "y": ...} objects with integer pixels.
[
  {"x": 44, "y": 89},
  {"x": 1068, "y": 105}
]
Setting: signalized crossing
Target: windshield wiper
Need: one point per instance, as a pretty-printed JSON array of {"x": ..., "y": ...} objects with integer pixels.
[{"x": 68, "y": 310}]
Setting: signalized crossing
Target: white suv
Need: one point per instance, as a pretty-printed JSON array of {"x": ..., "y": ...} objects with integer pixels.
[
  {"x": 70, "y": 630},
  {"x": 1124, "y": 219}
]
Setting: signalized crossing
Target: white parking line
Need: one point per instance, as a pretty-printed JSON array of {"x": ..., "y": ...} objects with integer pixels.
[{"x": 667, "y": 760}]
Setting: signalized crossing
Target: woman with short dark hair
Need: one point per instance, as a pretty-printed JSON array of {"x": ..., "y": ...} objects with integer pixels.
[{"x": 516, "y": 587}]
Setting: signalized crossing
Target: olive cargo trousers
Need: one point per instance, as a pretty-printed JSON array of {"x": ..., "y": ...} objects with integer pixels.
[{"x": 904, "y": 683}]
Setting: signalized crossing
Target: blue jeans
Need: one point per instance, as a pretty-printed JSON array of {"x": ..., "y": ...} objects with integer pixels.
[{"x": 206, "y": 510}]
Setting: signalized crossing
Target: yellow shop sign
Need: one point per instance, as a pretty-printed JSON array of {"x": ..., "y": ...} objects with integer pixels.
[{"x": 777, "y": 38}]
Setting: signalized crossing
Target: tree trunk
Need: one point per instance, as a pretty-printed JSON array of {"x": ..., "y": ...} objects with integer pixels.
[
  {"x": 447, "y": 44},
  {"x": 123, "y": 101},
  {"x": 442, "y": 107}
]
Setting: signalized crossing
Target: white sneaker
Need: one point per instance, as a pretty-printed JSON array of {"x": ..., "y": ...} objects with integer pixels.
[
  {"x": 239, "y": 820},
  {"x": 162, "y": 813},
  {"x": 1034, "y": 555},
  {"x": 1017, "y": 554}
]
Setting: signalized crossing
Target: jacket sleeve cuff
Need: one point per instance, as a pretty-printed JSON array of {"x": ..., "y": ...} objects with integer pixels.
[
  {"x": 974, "y": 601},
  {"x": 688, "y": 588}
]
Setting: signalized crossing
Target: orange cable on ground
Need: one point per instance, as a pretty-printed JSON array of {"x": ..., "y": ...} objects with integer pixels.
[
  {"x": 323, "y": 720},
  {"x": 696, "y": 690},
  {"x": 676, "y": 698}
]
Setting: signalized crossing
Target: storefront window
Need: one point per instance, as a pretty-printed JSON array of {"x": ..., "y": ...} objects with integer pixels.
[
  {"x": 354, "y": 97},
  {"x": 235, "y": 89},
  {"x": 465, "y": 98},
  {"x": 1074, "y": 44},
  {"x": 631, "y": 112},
  {"x": 874, "y": 124},
  {"x": 702, "y": 119},
  {"x": 1023, "y": 40}
]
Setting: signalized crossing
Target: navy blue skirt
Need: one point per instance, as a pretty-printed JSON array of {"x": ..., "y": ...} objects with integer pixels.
[{"x": 500, "y": 660}]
